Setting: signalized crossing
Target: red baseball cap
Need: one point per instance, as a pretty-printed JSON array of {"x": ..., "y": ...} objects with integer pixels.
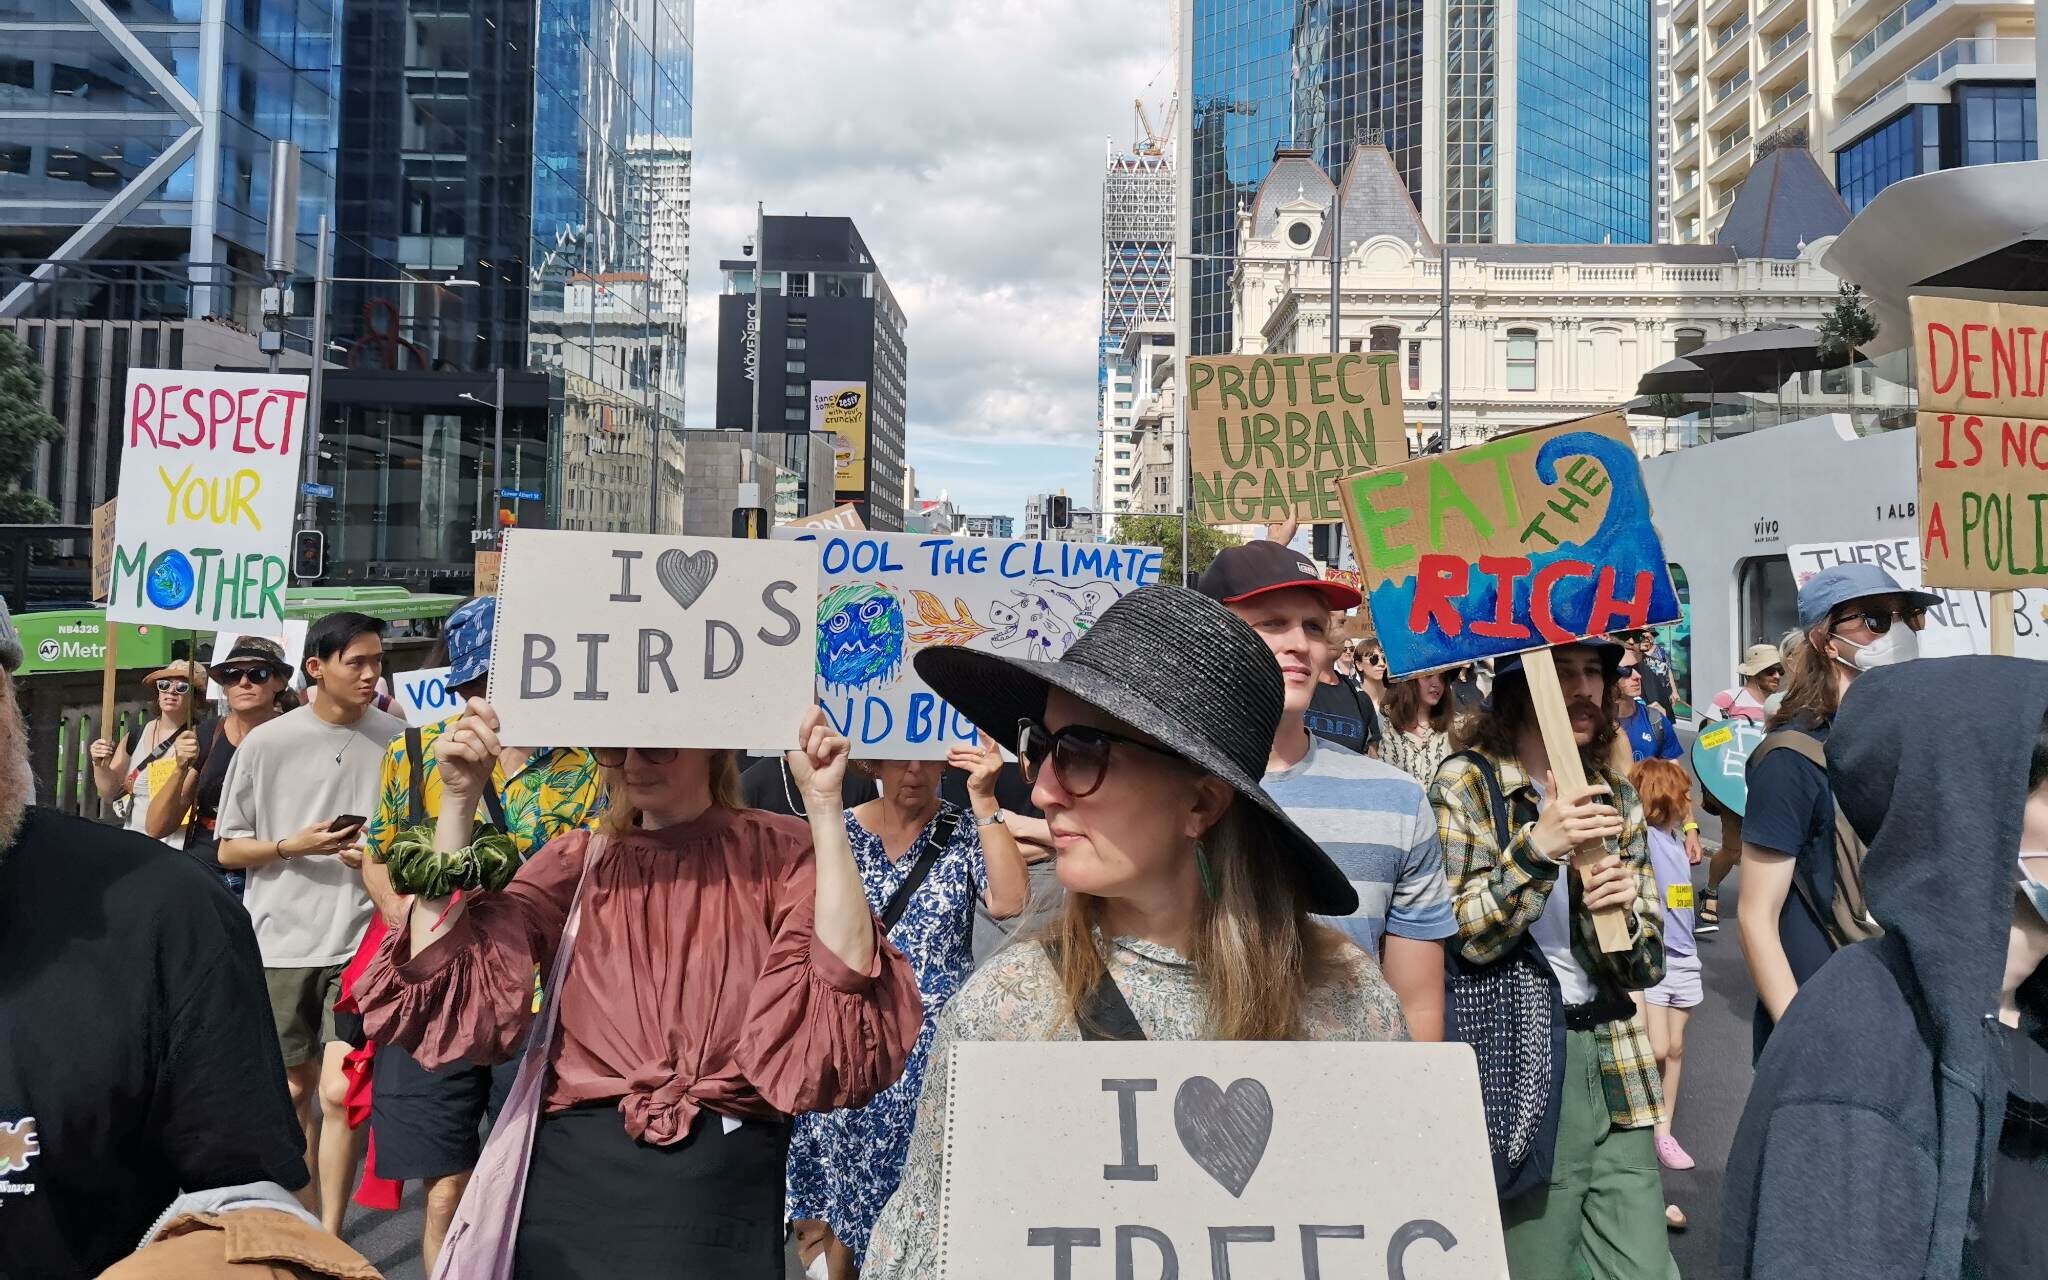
[{"x": 1239, "y": 573}]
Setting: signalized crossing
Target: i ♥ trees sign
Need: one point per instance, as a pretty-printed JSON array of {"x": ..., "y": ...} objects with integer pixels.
[{"x": 1206, "y": 1160}]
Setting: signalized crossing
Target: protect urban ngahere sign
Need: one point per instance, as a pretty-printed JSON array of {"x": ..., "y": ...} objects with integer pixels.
[
  {"x": 639, "y": 640},
  {"x": 883, "y": 596},
  {"x": 1983, "y": 435},
  {"x": 1526, "y": 541},
  {"x": 209, "y": 474},
  {"x": 1270, "y": 436},
  {"x": 1215, "y": 1158}
]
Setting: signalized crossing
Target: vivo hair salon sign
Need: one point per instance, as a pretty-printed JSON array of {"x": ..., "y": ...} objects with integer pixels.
[
  {"x": 635, "y": 640},
  {"x": 1212, "y": 1160}
]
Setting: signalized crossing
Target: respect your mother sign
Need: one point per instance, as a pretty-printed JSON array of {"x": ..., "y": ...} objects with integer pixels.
[
  {"x": 1209, "y": 1159},
  {"x": 638, "y": 640}
]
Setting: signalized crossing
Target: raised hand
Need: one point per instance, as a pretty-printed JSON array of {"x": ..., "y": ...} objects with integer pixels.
[{"x": 819, "y": 762}]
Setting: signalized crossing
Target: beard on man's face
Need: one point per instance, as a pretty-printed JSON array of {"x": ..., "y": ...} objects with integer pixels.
[{"x": 17, "y": 782}]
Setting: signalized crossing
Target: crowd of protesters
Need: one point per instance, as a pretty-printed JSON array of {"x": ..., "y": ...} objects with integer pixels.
[{"x": 1224, "y": 822}]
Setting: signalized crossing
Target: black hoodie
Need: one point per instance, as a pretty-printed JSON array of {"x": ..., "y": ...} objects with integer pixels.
[{"x": 1877, "y": 1108}]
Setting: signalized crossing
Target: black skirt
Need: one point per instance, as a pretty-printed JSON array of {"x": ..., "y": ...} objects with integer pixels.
[{"x": 602, "y": 1206}]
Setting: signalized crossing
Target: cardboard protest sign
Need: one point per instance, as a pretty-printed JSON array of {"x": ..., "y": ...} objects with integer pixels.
[
  {"x": 841, "y": 517},
  {"x": 1962, "y": 623},
  {"x": 1720, "y": 759},
  {"x": 424, "y": 697},
  {"x": 641, "y": 640},
  {"x": 1347, "y": 577},
  {"x": 291, "y": 637},
  {"x": 1528, "y": 540},
  {"x": 103, "y": 548},
  {"x": 883, "y": 596},
  {"x": 1210, "y": 1158},
  {"x": 1271, "y": 435},
  {"x": 1983, "y": 435},
  {"x": 209, "y": 471},
  {"x": 486, "y": 574}
]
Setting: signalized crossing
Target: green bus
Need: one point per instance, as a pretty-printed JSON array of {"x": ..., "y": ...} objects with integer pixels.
[{"x": 69, "y": 640}]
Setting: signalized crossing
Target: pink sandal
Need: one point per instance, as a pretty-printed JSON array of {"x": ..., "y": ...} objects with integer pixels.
[{"x": 1671, "y": 1155}]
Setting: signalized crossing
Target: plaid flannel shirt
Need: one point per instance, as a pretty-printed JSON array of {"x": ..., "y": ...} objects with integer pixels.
[{"x": 1498, "y": 894}]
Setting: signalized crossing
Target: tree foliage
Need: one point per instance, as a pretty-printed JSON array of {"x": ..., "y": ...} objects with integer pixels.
[
  {"x": 1848, "y": 326},
  {"x": 25, "y": 426},
  {"x": 1164, "y": 532}
]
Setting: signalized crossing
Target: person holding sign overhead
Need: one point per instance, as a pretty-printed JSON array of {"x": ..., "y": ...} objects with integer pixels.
[
  {"x": 925, "y": 865},
  {"x": 1191, "y": 894},
  {"x": 1587, "y": 1195},
  {"x": 713, "y": 971}
]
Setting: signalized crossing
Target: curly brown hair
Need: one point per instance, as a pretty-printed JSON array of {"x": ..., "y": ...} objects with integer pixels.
[{"x": 1497, "y": 731}]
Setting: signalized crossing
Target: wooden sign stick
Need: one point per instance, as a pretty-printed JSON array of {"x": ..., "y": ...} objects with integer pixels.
[
  {"x": 1611, "y": 925},
  {"x": 107, "y": 677},
  {"x": 2002, "y": 605}
]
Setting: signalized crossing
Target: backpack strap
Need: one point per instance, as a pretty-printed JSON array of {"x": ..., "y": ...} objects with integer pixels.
[
  {"x": 1503, "y": 827},
  {"x": 416, "y": 773},
  {"x": 1104, "y": 1014}
]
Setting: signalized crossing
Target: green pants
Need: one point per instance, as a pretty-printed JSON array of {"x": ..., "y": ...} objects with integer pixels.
[{"x": 1602, "y": 1215}]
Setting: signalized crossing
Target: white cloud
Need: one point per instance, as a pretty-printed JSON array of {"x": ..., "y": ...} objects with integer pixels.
[{"x": 965, "y": 140}]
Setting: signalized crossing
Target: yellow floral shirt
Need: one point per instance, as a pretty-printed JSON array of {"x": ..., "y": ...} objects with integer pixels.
[{"x": 555, "y": 792}]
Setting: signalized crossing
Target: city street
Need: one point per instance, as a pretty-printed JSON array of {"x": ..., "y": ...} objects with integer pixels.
[{"x": 1716, "y": 1082}]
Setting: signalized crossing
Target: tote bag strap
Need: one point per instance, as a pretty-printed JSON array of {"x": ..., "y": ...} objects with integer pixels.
[{"x": 485, "y": 1232}]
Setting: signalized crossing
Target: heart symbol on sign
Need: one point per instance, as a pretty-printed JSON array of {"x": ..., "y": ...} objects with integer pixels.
[
  {"x": 1224, "y": 1130},
  {"x": 685, "y": 575}
]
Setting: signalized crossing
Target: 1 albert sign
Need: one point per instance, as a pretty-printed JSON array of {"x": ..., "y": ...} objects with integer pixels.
[
  {"x": 1270, "y": 436},
  {"x": 1983, "y": 434},
  {"x": 1143, "y": 1161},
  {"x": 637, "y": 640},
  {"x": 1528, "y": 540},
  {"x": 209, "y": 474},
  {"x": 883, "y": 596}
]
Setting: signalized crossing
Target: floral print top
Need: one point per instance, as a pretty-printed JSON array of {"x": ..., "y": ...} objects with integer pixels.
[
  {"x": 1416, "y": 757},
  {"x": 556, "y": 791},
  {"x": 1016, "y": 995}
]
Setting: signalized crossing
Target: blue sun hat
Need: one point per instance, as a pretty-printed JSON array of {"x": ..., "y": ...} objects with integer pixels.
[{"x": 468, "y": 634}]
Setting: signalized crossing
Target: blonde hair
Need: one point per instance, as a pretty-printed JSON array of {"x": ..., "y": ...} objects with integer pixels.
[
  {"x": 1257, "y": 954},
  {"x": 622, "y": 815}
]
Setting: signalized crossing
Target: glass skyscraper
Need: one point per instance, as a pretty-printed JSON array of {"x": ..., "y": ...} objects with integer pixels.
[{"x": 1585, "y": 126}]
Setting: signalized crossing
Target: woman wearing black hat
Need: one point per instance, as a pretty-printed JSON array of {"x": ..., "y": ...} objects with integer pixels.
[{"x": 1189, "y": 891}]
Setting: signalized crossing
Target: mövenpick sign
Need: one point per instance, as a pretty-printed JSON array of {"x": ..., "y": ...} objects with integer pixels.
[{"x": 209, "y": 467}]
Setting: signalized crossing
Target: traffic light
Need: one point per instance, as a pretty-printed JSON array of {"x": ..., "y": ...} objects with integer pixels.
[
  {"x": 1323, "y": 542},
  {"x": 309, "y": 554},
  {"x": 1059, "y": 512}
]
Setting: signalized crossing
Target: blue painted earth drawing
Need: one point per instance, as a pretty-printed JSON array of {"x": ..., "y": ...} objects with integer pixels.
[
  {"x": 861, "y": 637},
  {"x": 170, "y": 581}
]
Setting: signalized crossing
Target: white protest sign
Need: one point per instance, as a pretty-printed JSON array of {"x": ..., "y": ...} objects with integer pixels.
[
  {"x": 291, "y": 638},
  {"x": 1961, "y": 624},
  {"x": 424, "y": 696},
  {"x": 639, "y": 640},
  {"x": 884, "y": 596},
  {"x": 209, "y": 486},
  {"x": 1135, "y": 1160}
]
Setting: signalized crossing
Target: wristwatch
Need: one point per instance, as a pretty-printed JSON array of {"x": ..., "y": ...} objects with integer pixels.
[{"x": 992, "y": 819}]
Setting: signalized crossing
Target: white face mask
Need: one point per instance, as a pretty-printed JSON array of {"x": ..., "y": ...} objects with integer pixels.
[
  {"x": 2035, "y": 891},
  {"x": 1900, "y": 644}
]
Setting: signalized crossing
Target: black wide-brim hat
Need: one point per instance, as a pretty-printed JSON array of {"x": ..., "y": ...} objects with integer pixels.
[{"x": 1178, "y": 667}]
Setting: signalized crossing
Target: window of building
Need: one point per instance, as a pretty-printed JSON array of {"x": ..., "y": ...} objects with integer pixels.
[
  {"x": 1998, "y": 123},
  {"x": 1521, "y": 359},
  {"x": 792, "y": 366},
  {"x": 1686, "y": 341},
  {"x": 796, "y": 344},
  {"x": 1356, "y": 345},
  {"x": 1414, "y": 365},
  {"x": 797, "y": 389},
  {"x": 1123, "y": 471},
  {"x": 1386, "y": 337},
  {"x": 799, "y": 284},
  {"x": 796, "y": 415},
  {"x": 1299, "y": 234}
]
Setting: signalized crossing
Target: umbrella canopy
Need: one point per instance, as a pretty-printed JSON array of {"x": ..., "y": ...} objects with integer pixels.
[
  {"x": 1667, "y": 405},
  {"x": 1761, "y": 360},
  {"x": 1675, "y": 377}
]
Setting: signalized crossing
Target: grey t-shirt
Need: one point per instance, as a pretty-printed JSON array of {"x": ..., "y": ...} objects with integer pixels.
[{"x": 288, "y": 774}]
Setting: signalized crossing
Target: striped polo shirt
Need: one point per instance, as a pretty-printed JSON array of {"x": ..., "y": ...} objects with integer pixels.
[{"x": 1375, "y": 822}]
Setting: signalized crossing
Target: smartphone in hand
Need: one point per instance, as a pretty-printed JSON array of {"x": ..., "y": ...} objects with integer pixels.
[{"x": 347, "y": 822}]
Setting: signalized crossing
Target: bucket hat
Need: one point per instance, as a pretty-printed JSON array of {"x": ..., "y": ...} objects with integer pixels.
[
  {"x": 1179, "y": 667},
  {"x": 468, "y": 634},
  {"x": 256, "y": 649},
  {"x": 1759, "y": 658},
  {"x": 1846, "y": 582},
  {"x": 192, "y": 673}
]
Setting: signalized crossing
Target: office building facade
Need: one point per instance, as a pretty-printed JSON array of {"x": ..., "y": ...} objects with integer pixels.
[
  {"x": 989, "y": 526},
  {"x": 1137, "y": 291},
  {"x": 825, "y": 315}
]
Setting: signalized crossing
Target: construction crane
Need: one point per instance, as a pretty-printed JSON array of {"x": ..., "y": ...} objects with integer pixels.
[{"x": 1146, "y": 140}]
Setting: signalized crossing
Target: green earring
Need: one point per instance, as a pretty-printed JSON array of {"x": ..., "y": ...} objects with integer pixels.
[{"x": 1208, "y": 875}]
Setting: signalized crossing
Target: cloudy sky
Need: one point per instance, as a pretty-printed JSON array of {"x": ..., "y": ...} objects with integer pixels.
[{"x": 965, "y": 140}]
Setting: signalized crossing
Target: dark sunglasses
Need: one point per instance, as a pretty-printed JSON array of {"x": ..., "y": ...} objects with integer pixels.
[
  {"x": 1768, "y": 672},
  {"x": 1630, "y": 672},
  {"x": 1880, "y": 623},
  {"x": 613, "y": 757},
  {"x": 1376, "y": 659},
  {"x": 243, "y": 675},
  {"x": 1079, "y": 754},
  {"x": 174, "y": 686}
]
